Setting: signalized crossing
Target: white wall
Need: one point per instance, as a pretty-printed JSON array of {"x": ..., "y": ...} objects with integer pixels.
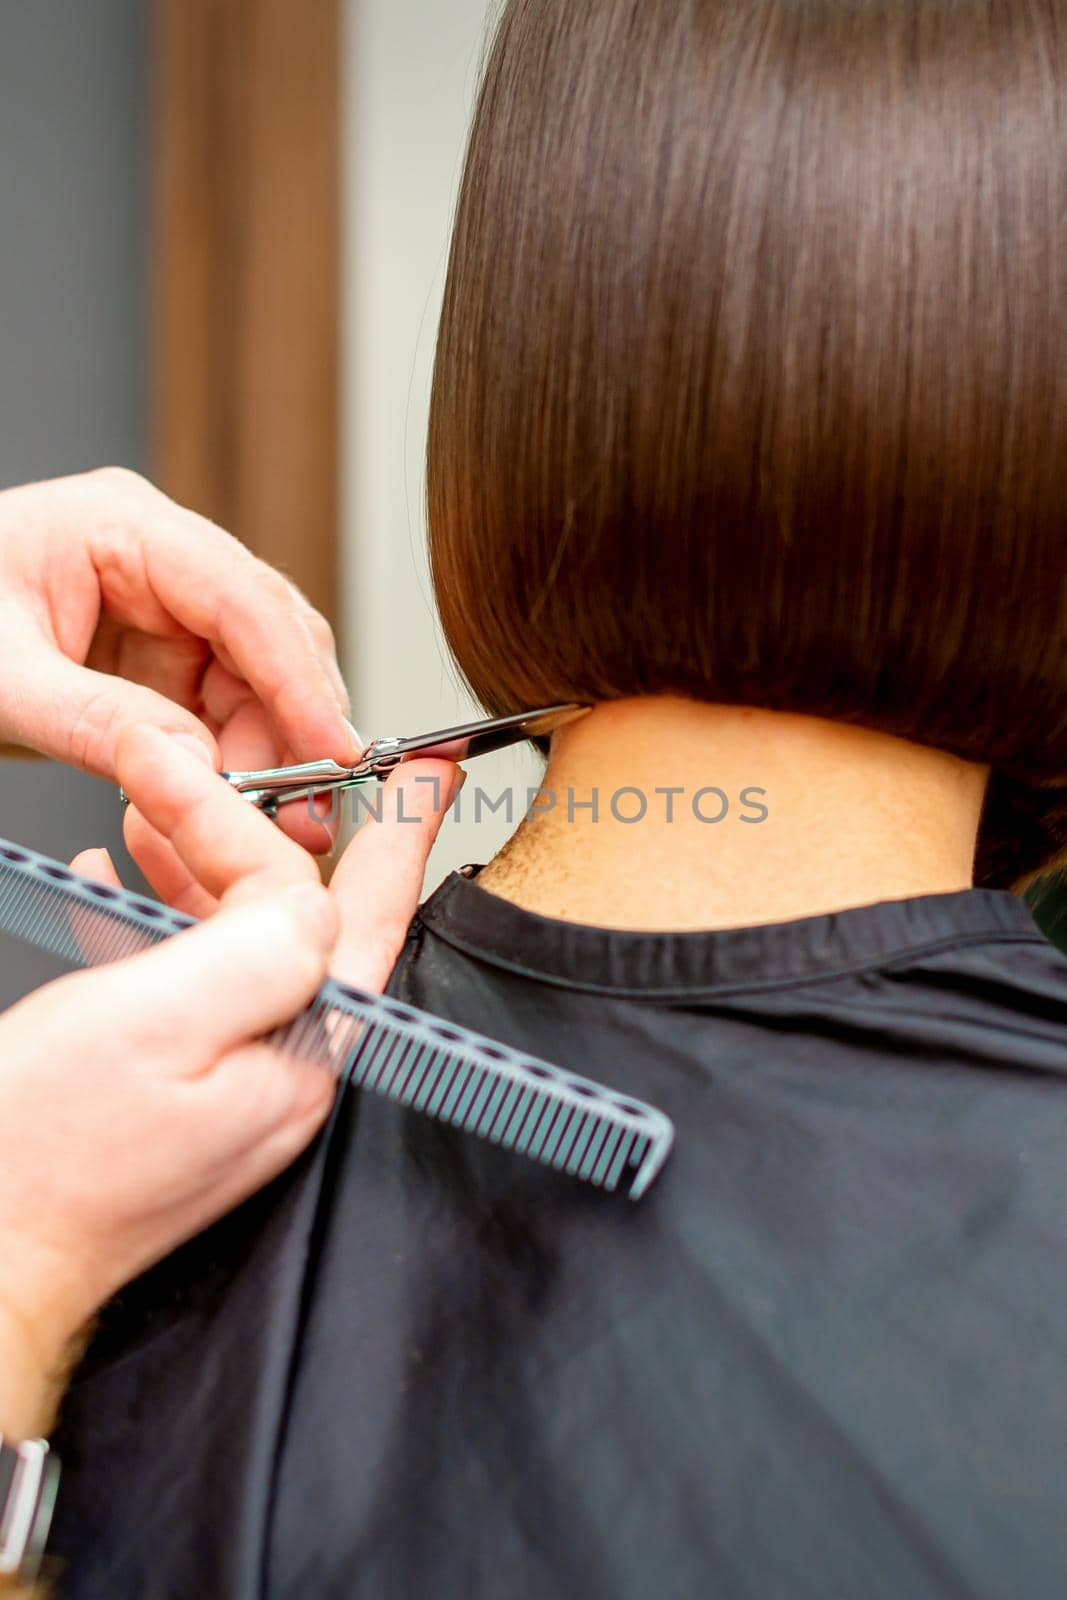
[{"x": 411, "y": 71}]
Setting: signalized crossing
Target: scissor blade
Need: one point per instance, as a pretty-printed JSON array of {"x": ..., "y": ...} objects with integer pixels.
[
  {"x": 272, "y": 787},
  {"x": 479, "y": 738}
]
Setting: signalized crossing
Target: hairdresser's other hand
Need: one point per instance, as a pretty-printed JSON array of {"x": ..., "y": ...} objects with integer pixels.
[
  {"x": 135, "y": 1102},
  {"x": 136, "y": 1105},
  {"x": 119, "y": 607}
]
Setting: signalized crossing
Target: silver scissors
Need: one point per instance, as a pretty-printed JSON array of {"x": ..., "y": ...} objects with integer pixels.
[{"x": 271, "y": 787}]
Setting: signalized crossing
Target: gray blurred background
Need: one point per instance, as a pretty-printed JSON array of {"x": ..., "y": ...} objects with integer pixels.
[{"x": 74, "y": 199}]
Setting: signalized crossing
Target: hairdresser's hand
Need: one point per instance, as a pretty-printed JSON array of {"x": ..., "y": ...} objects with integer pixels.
[
  {"x": 218, "y": 840},
  {"x": 135, "y": 1104},
  {"x": 119, "y": 607}
]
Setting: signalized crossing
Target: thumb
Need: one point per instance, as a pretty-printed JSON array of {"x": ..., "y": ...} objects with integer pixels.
[
  {"x": 378, "y": 880},
  {"x": 76, "y": 715},
  {"x": 249, "y": 969}
]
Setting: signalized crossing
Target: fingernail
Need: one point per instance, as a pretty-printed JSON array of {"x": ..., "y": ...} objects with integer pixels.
[
  {"x": 195, "y": 746},
  {"x": 315, "y": 908},
  {"x": 94, "y": 863},
  {"x": 461, "y": 778},
  {"x": 359, "y": 743}
]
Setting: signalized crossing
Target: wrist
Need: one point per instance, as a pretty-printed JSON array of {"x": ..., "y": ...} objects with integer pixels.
[
  {"x": 38, "y": 1336},
  {"x": 29, "y": 1370},
  {"x": 34, "y": 1362}
]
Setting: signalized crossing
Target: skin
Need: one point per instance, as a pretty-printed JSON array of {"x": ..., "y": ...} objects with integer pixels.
[
  {"x": 142, "y": 644},
  {"x": 853, "y": 817},
  {"x": 142, "y": 1118},
  {"x": 119, "y": 607}
]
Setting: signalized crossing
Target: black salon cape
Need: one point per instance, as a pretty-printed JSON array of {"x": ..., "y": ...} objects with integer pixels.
[{"x": 824, "y": 1359}]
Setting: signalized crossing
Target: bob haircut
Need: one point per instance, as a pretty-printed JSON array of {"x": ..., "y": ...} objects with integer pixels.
[{"x": 751, "y": 380}]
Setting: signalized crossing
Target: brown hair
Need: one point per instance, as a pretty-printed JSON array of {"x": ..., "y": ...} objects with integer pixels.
[{"x": 751, "y": 382}]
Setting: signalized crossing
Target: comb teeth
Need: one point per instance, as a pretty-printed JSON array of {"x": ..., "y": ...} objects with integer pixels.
[{"x": 434, "y": 1067}]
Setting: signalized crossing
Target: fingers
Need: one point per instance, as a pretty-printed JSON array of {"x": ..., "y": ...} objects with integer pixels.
[
  {"x": 250, "y": 969},
  {"x": 93, "y": 938},
  {"x": 149, "y": 592},
  {"x": 248, "y": 742},
  {"x": 147, "y": 1099},
  {"x": 273, "y": 1104},
  {"x": 98, "y": 865},
  {"x": 220, "y": 839},
  {"x": 378, "y": 880},
  {"x": 164, "y": 869},
  {"x": 77, "y": 716},
  {"x": 255, "y": 1111},
  {"x": 258, "y": 624}
]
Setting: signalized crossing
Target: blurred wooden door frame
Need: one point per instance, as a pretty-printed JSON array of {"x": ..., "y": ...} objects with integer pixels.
[{"x": 246, "y": 274}]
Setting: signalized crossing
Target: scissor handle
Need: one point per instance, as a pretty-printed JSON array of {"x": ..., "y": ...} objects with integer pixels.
[
  {"x": 270, "y": 787},
  {"x": 276, "y": 780}
]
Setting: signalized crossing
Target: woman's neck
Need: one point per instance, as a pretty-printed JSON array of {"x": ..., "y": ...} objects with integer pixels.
[{"x": 815, "y": 816}]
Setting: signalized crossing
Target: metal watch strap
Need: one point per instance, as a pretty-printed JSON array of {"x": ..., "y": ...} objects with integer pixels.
[{"x": 29, "y": 1477}]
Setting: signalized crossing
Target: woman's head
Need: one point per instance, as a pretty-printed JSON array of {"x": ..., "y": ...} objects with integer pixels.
[{"x": 751, "y": 382}]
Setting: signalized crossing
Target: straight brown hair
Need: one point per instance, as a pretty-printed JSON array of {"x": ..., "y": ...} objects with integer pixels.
[{"x": 751, "y": 380}]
